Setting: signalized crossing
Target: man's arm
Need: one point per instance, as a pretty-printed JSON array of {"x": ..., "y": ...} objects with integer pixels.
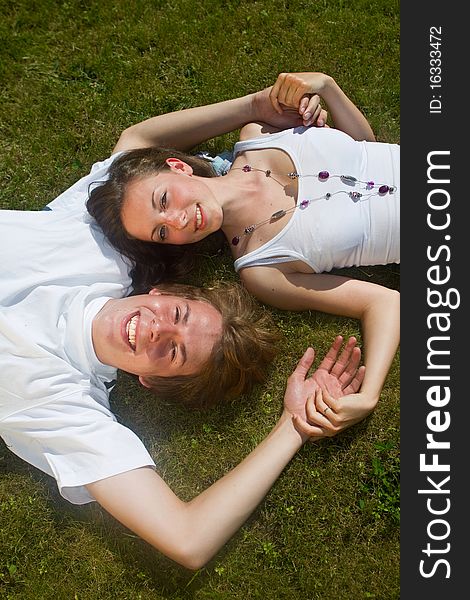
[
  {"x": 192, "y": 532},
  {"x": 299, "y": 90}
]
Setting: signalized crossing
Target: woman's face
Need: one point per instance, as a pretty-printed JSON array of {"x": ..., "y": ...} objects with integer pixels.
[{"x": 171, "y": 207}]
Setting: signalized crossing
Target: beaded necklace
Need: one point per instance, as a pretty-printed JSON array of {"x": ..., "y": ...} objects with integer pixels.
[{"x": 376, "y": 188}]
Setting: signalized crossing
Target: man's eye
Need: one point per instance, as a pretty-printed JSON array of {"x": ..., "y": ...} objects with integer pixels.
[
  {"x": 177, "y": 314},
  {"x": 162, "y": 233},
  {"x": 163, "y": 201},
  {"x": 174, "y": 352}
]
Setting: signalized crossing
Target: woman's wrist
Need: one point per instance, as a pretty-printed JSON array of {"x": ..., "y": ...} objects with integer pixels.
[{"x": 259, "y": 101}]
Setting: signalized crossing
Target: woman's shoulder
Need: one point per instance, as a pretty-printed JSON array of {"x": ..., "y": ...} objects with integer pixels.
[{"x": 256, "y": 130}]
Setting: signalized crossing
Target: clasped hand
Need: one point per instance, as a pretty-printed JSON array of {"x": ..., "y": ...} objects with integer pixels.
[
  {"x": 292, "y": 101},
  {"x": 300, "y": 92},
  {"x": 327, "y": 402}
]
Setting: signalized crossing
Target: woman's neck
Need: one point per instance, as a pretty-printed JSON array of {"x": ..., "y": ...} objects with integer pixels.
[
  {"x": 251, "y": 195},
  {"x": 236, "y": 193}
]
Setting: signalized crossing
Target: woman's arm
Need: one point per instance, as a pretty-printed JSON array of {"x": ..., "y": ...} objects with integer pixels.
[
  {"x": 184, "y": 129},
  {"x": 377, "y": 307},
  {"x": 295, "y": 90}
]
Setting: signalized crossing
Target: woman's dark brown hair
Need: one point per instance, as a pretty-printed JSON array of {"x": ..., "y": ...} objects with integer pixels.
[{"x": 152, "y": 262}]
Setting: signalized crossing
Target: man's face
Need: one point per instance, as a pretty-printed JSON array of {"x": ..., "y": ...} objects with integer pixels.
[{"x": 156, "y": 334}]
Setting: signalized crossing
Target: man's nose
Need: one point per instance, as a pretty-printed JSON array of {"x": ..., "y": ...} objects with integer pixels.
[
  {"x": 177, "y": 219},
  {"x": 160, "y": 330}
]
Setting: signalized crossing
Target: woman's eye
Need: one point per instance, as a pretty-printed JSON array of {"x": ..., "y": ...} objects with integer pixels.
[
  {"x": 173, "y": 353},
  {"x": 177, "y": 314},
  {"x": 162, "y": 233},
  {"x": 163, "y": 201}
]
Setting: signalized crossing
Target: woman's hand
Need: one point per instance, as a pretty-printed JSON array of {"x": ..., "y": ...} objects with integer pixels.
[
  {"x": 300, "y": 92},
  {"x": 287, "y": 116},
  {"x": 336, "y": 414}
]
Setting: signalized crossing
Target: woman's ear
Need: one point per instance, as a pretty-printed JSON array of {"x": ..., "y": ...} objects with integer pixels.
[
  {"x": 179, "y": 166},
  {"x": 155, "y": 292},
  {"x": 144, "y": 382}
]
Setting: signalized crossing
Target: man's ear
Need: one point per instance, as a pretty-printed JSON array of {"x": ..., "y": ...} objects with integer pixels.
[
  {"x": 179, "y": 166},
  {"x": 144, "y": 382},
  {"x": 155, "y": 292}
]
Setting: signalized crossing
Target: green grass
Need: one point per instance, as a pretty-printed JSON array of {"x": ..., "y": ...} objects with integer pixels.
[{"x": 74, "y": 74}]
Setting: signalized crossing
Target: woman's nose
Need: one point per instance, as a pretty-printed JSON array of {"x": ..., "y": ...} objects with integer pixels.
[{"x": 177, "y": 219}]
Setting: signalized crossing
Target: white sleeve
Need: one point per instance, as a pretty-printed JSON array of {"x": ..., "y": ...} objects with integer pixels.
[
  {"x": 74, "y": 197},
  {"x": 76, "y": 441}
]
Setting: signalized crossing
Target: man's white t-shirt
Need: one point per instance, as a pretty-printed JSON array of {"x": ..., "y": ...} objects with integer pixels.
[{"x": 56, "y": 272}]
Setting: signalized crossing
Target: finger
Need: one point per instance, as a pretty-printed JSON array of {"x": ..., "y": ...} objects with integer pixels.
[
  {"x": 314, "y": 116},
  {"x": 304, "y": 364},
  {"x": 351, "y": 367},
  {"x": 274, "y": 93},
  {"x": 313, "y": 108},
  {"x": 313, "y": 410},
  {"x": 325, "y": 404},
  {"x": 282, "y": 88},
  {"x": 299, "y": 93},
  {"x": 290, "y": 92},
  {"x": 322, "y": 118},
  {"x": 311, "y": 430},
  {"x": 327, "y": 421},
  {"x": 303, "y": 104},
  {"x": 356, "y": 383},
  {"x": 330, "y": 358},
  {"x": 344, "y": 357}
]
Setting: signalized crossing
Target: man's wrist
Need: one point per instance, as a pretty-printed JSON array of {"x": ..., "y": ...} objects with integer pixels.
[{"x": 287, "y": 421}]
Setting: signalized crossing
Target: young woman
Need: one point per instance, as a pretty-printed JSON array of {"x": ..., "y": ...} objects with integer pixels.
[{"x": 295, "y": 204}]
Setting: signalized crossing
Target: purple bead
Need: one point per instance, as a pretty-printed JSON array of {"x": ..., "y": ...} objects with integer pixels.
[
  {"x": 383, "y": 189},
  {"x": 304, "y": 204},
  {"x": 235, "y": 240},
  {"x": 323, "y": 175},
  {"x": 246, "y": 168},
  {"x": 370, "y": 185}
]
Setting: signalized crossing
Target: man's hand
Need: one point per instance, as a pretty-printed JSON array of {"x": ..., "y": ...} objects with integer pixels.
[
  {"x": 299, "y": 91},
  {"x": 315, "y": 402},
  {"x": 340, "y": 376},
  {"x": 282, "y": 116}
]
